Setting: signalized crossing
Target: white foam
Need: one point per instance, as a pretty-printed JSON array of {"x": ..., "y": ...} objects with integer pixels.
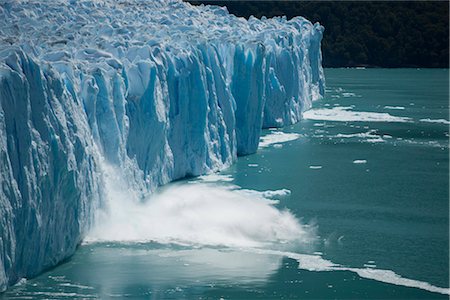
[
  {"x": 345, "y": 114},
  {"x": 368, "y": 134},
  {"x": 368, "y": 137},
  {"x": 360, "y": 161},
  {"x": 394, "y": 107},
  {"x": 391, "y": 277},
  {"x": 78, "y": 286},
  {"x": 253, "y": 165},
  {"x": 312, "y": 262},
  {"x": 199, "y": 214},
  {"x": 269, "y": 194},
  {"x": 375, "y": 140},
  {"x": 214, "y": 177},
  {"x": 441, "y": 121},
  {"x": 277, "y": 137},
  {"x": 315, "y": 167},
  {"x": 59, "y": 295}
]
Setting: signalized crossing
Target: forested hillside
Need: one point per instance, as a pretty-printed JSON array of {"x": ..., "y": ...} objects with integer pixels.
[{"x": 367, "y": 33}]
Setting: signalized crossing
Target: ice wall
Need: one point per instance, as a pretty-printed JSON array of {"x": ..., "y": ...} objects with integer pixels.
[{"x": 155, "y": 90}]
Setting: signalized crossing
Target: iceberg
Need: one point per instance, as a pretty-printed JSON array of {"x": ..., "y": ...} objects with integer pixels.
[{"x": 151, "y": 90}]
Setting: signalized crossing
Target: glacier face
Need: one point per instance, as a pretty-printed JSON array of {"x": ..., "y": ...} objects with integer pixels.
[{"x": 159, "y": 90}]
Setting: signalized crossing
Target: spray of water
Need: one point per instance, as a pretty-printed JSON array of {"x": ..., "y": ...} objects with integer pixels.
[{"x": 197, "y": 214}]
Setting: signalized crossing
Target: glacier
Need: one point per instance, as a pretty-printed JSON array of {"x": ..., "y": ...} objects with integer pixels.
[{"x": 153, "y": 90}]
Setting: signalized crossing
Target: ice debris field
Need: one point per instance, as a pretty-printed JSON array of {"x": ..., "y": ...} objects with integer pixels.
[{"x": 152, "y": 91}]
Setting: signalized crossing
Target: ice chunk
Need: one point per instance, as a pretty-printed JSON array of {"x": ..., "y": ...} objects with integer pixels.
[
  {"x": 441, "y": 121},
  {"x": 345, "y": 114},
  {"x": 360, "y": 161},
  {"x": 277, "y": 137},
  {"x": 315, "y": 167},
  {"x": 394, "y": 107}
]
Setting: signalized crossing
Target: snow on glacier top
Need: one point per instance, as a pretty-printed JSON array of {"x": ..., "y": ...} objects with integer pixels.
[{"x": 111, "y": 32}]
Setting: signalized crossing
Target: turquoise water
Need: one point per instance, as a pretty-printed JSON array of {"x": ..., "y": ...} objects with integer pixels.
[{"x": 373, "y": 194}]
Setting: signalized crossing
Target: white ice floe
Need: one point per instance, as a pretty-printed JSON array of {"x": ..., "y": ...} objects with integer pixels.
[
  {"x": 214, "y": 177},
  {"x": 441, "y": 121},
  {"x": 394, "y": 107},
  {"x": 391, "y": 277},
  {"x": 269, "y": 194},
  {"x": 360, "y": 161},
  {"x": 370, "y": 136},
  {"x": 345, "y": 114},
  {"x": 315, "y": 167},
  {"x": 277, "y": 137}
]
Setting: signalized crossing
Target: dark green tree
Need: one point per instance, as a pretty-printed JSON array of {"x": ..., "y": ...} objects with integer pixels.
[{"x": 367, "y": 33}]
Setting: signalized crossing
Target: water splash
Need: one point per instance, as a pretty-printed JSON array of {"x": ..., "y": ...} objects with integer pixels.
[{"x": 199, "y": 214}]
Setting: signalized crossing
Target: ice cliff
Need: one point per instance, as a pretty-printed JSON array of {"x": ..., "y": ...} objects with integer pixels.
[{"x": 157, "y": 90}]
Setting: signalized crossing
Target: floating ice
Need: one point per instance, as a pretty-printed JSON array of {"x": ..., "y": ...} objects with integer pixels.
[
  {"x": 277, "y": 137},
  {"x": 441, "y": 121},
  {"x": 214, "y": 177},
  {"x": 394, "y": 107},
  {"x": 372, "y": 266},
  {"x": 391, "y": 277},
  {"x": 369, "y": 134},
  {"x": 276, "y": 194},
  {"x": 345, "y": 114},
  {"x": 360, "y": 161},
  {"x": 315, "y": 167}
]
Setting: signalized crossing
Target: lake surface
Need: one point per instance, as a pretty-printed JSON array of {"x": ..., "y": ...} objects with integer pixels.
[{"x": 358, "y": 207}]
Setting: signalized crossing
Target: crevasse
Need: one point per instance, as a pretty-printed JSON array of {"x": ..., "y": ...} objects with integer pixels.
[{"x": 159, "y": 90}]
